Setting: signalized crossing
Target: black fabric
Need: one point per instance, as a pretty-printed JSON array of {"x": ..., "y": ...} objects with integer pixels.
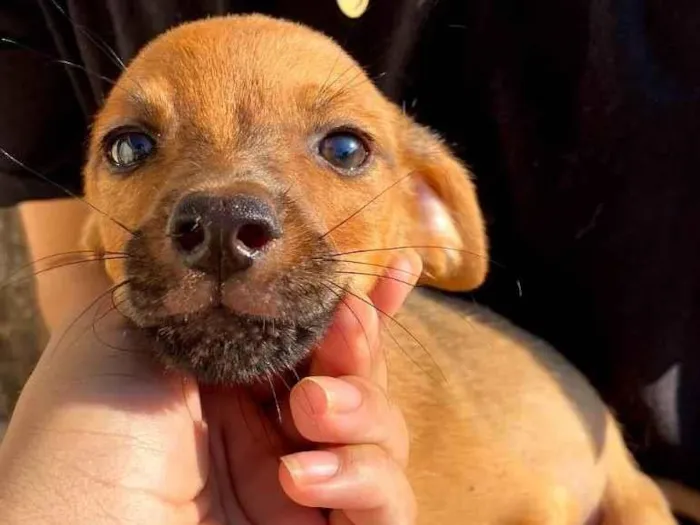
[{"x": 579, "y": 118}]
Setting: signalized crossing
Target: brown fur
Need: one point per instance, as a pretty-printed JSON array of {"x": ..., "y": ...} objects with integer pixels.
[{"x": 503, "y": 430}]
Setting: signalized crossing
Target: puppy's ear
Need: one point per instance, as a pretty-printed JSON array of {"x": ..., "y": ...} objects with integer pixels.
[
  {"x": 447, "y": 224},
  {"x": 91, "y": 238}
]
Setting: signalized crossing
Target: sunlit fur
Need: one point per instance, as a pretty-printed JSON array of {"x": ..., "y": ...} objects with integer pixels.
[{"x": 507, "y": 433}]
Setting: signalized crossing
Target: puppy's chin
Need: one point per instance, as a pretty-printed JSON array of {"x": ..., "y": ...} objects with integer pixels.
[{"x": 220, "y": 347}]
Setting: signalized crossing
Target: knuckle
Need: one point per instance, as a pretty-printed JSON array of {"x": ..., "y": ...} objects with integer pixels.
[{"x": 374, "y": 461}]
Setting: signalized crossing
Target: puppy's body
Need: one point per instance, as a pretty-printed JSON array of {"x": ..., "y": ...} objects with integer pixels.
[
  {"x": 230, "y": 161},
  {"x": 512, "y": 433}
]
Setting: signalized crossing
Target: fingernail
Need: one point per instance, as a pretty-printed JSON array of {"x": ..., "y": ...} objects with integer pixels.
[
  {"x": 327, "y": 394},
  {"x": 308, "y": 468}
]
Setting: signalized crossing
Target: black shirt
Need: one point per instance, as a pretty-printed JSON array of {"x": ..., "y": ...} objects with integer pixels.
[{"x": 580, "y": 119}]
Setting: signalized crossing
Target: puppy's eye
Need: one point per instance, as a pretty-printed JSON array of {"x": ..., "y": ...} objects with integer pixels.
[
  {"x": 344, "y": 150},
  {"x": 129, "y": 148}
]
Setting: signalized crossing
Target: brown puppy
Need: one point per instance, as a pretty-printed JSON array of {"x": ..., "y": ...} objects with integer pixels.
[{"x": 256, "y": 175}]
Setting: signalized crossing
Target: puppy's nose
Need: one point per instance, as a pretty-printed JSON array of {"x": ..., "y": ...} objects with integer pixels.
[{"x": 222, "y": 235}]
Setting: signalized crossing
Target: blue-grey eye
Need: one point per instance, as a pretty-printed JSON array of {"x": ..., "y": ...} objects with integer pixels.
[
  {"x": 130, "y": 148},
  {"x": 344, "y": 150}
]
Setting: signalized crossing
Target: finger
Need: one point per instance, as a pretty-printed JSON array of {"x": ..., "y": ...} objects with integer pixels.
[
  {"x": 348, "y": 346},
  {"x": 351, "y": 345},
  {"x": 361, "y": 482},
  {"x": 244, "y": 460},
  {"x": 387, "y": 296},
  {"x": 391, "y": 290},
  {"x": 349, "y": 410}
]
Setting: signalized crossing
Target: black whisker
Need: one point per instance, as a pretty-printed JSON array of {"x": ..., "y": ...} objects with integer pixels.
[
  {"x": 322, "y": 89},
  {"x": 326, "y": 86},
  {"x": 99, "y": 339},
  {"x": 400, "y": 325},
  {"x": 334, "y": 257},
  {"x": 379, "y": 275},
  {"x": 401, "y": 348},
  {"x": 388, "y": 331},
  {"x": 374, "y": 265},
  {"x": 116, "y": 306},
  {"x": 54, "y": 256},
  {"x": 55, "y": 60},
  {"x": 354, "y": 314},
  {"x": 346, "y": 86},
  {"x": 15, "y": 280},
  {"x": 85, "y": 70},
  {"x": 99, "y": 43},
  {"x": 415, "y": 247},
  {"x": 74, "y": 252},
  {"x": 64, "y": 190},
  {"x": 361, "y": 209},
  {"x": 83, "y": 313},
  {"x": 349, "y": 86}
]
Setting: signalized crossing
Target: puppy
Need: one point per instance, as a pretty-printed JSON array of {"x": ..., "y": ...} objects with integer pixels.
[{"x": 253, "y": 175}]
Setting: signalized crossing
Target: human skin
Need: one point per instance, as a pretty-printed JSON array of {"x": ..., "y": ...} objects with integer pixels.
[{"x": 101, "y": 434}]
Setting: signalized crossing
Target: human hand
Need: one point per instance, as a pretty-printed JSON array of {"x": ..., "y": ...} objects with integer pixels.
[{"x": 101, "y": 434}]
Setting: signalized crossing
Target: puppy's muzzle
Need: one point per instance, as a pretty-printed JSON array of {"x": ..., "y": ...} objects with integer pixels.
[{"x": 222, "y": 235}]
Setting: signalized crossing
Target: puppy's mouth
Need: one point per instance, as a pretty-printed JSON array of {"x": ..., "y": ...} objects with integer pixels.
[{"x": 219, "y": 346}]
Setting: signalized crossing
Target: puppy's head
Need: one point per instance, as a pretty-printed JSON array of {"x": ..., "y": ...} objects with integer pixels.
[{"x": 261, "y": 176}]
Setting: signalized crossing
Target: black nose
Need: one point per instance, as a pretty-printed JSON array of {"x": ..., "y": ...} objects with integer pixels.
[{"x": 222, "y": 235}]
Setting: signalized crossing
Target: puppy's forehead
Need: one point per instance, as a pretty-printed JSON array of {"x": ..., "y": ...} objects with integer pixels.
[{"x": 254, "y": 64}]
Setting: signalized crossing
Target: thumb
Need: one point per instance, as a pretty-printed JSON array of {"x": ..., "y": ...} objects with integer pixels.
[{"x": 98, "y": 400}]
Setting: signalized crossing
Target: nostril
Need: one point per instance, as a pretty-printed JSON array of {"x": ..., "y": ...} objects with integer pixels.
[
  {"x": 189, "y": 235},
  {"x": 221, "y": 235},
  {"x": 254, "y": 236}
]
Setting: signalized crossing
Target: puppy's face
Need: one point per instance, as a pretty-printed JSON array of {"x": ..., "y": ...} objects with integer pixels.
[{"x": 255, "y": 175}]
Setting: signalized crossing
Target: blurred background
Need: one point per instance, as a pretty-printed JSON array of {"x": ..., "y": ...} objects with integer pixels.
[{"x": 22, "y": 333}]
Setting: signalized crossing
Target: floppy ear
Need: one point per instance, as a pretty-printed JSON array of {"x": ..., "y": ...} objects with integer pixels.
[
  {"x": 447, "y": 223},
  {"x": 91, "y": 238}
]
